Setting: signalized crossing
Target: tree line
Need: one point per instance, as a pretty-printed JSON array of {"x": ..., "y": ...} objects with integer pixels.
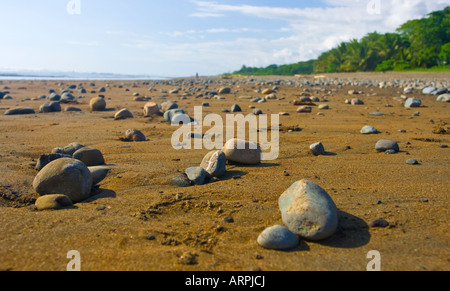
[{"x": 417, "y": 44}]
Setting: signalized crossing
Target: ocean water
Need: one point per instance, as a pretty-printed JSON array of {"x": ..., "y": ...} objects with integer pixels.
[{"x": 75, "y": 76}]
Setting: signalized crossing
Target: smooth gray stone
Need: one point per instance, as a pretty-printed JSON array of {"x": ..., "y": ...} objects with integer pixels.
[
  {"x": 214, "y": 163},
  {"x": 169, "y": 105},
  {"x": 89, "y": 156},
  {"x": 64, "y": 176},
  {"x": 134, "y": 135},
  {"x": 236, "y": 108},
  {"x": 277, "y": 238},
  {"x": 197, "y": 175},
  {"x": 123, "y": 114},
  {"x": 369, "y": 130},
  {"x": 53, "y": 202},
  {"x": 20, "y": 111},
  {"x": 243, "y": 152},
  {"x": 428, "y": 90},
  {"x": 181, "y": 181},
  {"x": 45, "y": 159},
  {"x": 257, "y": 111},
  {"x": 98, "y": 173},
  {"x": 377, "y": 114},
  {"x": 307, "y": 210},
  {"x": 53, "y": 106},
  {"x": 384, "y": 145},
  {"x": 317, "y": 149},
  {"x": 412, "y": 162},
  {"x": 440, "y": 91},
  {"x": 72, "y": 109},
  {"x": 412, "y": 103},
  {"x": 224, "y": 90}
]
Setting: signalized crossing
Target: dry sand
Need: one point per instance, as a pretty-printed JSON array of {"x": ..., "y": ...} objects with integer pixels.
[{"x": 111, "y": 230}]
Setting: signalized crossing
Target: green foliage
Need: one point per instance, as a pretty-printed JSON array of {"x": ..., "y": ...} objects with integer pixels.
[
  {"x": 298, "y": 68},
  {"x": 418, "y": 44}
]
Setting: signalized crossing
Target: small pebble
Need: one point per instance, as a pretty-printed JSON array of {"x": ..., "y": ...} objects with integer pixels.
[
  {"x": 380, "y": 222},
  {"x": 278, "y": 238},
  {"x": 228, "y": 219},
  {"x": 412, "y": 162}
]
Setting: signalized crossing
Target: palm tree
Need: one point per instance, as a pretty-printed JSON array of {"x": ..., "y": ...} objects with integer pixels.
[{"x": 360, "y": 57}]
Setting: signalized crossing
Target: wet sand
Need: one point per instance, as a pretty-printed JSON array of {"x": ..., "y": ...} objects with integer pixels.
[{"x": 140, "y": 221}]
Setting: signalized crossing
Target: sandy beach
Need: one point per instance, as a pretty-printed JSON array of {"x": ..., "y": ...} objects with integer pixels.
[{"x": 138, "y": 220}]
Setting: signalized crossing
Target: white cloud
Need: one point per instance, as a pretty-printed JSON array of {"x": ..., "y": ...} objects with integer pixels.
[{"x": 314, "y": 30}]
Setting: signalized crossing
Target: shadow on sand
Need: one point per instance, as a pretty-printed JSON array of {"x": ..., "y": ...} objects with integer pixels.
[
  {"x": 100, "y": 194},
  {"x": 352, "y": 232}
]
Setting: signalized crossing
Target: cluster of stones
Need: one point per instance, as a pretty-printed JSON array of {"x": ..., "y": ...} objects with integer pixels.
[
  {"x": 214, "y": 163},
  {"x": 68, "y": 175}
]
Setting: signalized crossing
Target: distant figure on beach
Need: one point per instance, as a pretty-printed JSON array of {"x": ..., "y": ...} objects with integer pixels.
[{"x": 196, "y": 75}]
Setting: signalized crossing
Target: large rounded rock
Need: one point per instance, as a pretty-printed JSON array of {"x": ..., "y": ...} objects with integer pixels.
[
  {"x": 369, "y": 130},
  {"x": 412, "y": 102},
  {"x": 385, "y": 145},
  {"x": 64, "y": 176},
  {"x": 53, "y": 106},
  {"x": 97, "y": 104},
  {"x": 224, "y": 90},
  {"x": 123, "y": 114},
  {"x": 307, "y": 210},
  {"x": 214, "y": 163},
  {"x": 277, "y": 238},
  {"x": 89, "y": 156},
  {"x": 151, "y": 108},
  {"x": 243, "y": 152},
  {"x": 169, "y": 105},
  {"x": 67, "y": 98}
]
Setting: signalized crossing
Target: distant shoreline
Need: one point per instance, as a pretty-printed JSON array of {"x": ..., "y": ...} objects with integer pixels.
[{"x": 75, "y": 76}]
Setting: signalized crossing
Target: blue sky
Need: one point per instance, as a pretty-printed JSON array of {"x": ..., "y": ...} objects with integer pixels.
[{"x": 175, "y": 38}]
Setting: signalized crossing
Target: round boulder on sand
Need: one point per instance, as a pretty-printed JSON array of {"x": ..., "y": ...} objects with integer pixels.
[
  {"x": 89, "y": 156},
  {"x": 123, "y": 114},
  {"x": 151, "y": 108},
  {"x": 97, "y": 104},
  {"x": 307, "y": 210},
  {"x": 64, "y": 176},
  {"x": 241, "y": 151}
]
